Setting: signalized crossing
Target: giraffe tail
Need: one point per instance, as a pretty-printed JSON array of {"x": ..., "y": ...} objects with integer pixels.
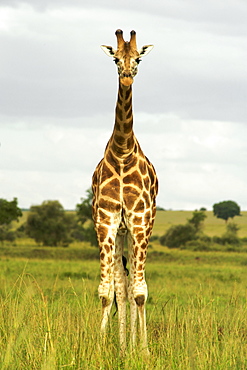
[{"x": 124, "y": 260}]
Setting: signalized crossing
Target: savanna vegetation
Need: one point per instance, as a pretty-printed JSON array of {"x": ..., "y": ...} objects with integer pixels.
[
  {"x": 196, "y": 313},
  {"x": 191, "y": 235},
  {"x": 196, "y": 309}
]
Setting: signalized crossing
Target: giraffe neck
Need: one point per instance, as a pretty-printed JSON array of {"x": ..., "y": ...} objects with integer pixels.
[{"x": 122, "y": 140}]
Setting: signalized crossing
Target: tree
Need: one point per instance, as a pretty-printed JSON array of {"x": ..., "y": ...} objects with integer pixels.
[
  {"x": 226, "y": 209},
  {"x": 49, "y": 224},
  {"x": 85, "y": 231},
  {"x": 9, "y": 211},
  {"x": 197, "y": 219},
  {"x": 84, "y": 209}
]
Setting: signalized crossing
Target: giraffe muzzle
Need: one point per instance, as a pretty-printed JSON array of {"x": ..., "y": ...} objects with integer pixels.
[{"x": 126, "y": 80}]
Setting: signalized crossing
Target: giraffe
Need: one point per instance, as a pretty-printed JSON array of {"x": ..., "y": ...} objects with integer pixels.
[{"x": 124, "y": 191}]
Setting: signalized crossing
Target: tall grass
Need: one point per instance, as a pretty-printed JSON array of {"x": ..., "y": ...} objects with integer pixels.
[{"x": 196, "y": 313}]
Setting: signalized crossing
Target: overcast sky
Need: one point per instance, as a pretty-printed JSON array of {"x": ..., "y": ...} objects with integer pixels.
[{"x": 58, "y": 93}]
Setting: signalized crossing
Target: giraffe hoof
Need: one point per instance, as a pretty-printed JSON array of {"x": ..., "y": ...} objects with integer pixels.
[{"x": 140, "y": 300}]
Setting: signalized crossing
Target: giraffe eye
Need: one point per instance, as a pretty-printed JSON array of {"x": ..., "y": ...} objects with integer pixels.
[
  {"x": 116, "y": 60},
  {"x": 138, "y": 60}
]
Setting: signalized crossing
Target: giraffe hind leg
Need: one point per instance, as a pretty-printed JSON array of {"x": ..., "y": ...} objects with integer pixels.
[
  {"x": 124, "y": 260},
  {"x": 132, "y": 302}
]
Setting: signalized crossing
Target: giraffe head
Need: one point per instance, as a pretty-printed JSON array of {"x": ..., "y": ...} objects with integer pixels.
[{"x": 126, "y": 57}]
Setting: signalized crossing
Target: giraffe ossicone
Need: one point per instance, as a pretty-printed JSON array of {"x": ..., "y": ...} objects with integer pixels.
[{"x": 124, "y": 192}]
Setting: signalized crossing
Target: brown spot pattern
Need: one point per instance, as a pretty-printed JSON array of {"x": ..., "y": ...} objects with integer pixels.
[
  {"x": 119, "y": 112},
  {"x": 133, "y": 178},
  {"x": 142, "y": 167},
  {"x": 113, "y": 162},
  {"x": 147, "y": 217},
  {"x": 137, "y": 220},
  {"x": 107, "y": 248},
  {"x": 129, "y": 114},
  {"x": 130, "y": 196},
  {"x": 109, "y": 206},
  {"x": 104, "y": 217},
  {"x": 129, "y": 163},
  {"x": 146, "y": 199},
  {"x": 106, "y": 173},
  {"x": 128, "y": 94},
  {"x": 140, "y": 206},
  {"x": 119, "y": 139},
  {"x": 130, "y": 142},
  {"x": 128, "y": 127},
  {"x": 146, "y": 182},
  {"x": 139, "y": 237},
  {"x": 127, "y": 105},
  {"x": 102, "y": 232},
  {"x": 112, "y": 189}
]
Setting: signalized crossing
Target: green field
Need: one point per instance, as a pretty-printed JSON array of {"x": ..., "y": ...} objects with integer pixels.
[
  {"x": 196, "y": 310},
  {"x": 196, "y": 314},
  {"x": 212, "y": 225}
]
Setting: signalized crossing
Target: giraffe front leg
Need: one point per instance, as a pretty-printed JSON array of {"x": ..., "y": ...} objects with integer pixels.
[
  {"x": 138, "y": 291},
  {"x": 106, "y": 297},
  {"x": 142, "y": 320},
  {"x": 140, "y": 296},
  {"x": 137, "y": 299},
  {"x": 106, "y": 238},
  {"x": 106, "y": 294}
]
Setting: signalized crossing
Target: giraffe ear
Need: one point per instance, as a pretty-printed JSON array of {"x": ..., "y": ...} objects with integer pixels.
[
  {"x": 108, "y": 50},
  {"x": 145, "y": 50}
]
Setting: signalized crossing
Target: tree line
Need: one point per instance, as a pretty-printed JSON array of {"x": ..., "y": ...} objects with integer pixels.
[
  {"x": 191, "y": 236},
  {"x": 50, "y": 225}
]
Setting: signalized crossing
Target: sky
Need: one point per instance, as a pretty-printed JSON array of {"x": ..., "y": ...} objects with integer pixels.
[{"x": 58, "y": 94}]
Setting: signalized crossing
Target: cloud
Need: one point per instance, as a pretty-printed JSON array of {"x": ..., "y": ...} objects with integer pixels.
[{"x": 58, "y": 93}]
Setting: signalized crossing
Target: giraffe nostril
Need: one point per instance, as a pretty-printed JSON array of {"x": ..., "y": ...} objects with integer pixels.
[{"x": 127, "y": 74}]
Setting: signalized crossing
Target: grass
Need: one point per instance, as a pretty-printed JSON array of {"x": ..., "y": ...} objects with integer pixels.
[
  {"x": 196, "y": 309},
  {"x": 196, "y": 314}
]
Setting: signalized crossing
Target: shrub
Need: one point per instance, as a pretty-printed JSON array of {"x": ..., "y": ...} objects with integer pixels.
[
  {"x": 217, "y": 240},
  {"x": 206, "y": 238},
  {"x": 153, "y": 238},
  {"x": 231, "y": 239},
  {"x": 198, "y": 245},
  {"x": 178, "y": 235},
  {"x": 6, "y": 234}
]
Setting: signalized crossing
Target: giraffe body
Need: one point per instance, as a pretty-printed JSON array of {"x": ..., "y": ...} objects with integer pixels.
[{"x": 124, "y": 187}]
